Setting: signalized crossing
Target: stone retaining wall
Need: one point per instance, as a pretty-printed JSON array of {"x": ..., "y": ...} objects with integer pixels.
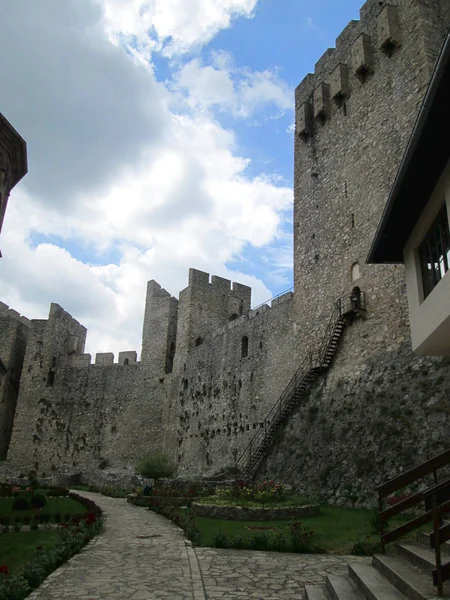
[{"x": 244, "y": 513}]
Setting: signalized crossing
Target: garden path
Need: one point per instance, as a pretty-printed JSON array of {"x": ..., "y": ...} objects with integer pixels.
[{"x": 143, "y": 556}]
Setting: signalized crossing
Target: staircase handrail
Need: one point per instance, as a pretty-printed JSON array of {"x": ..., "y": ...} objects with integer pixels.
[
  {"x": 277, "y": 407},
  {"x": 312, "y": 361},
  {"x": 434, "y": 506}
]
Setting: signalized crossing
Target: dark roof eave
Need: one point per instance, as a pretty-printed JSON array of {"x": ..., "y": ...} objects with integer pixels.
[{"x": 420, "y": 169}]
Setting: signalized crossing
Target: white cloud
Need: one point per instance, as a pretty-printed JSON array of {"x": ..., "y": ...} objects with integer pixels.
[
  {"x": 171, "y": 26},
  {"x": 238, "y": 90},
  {"x": 112, "y": 168}
]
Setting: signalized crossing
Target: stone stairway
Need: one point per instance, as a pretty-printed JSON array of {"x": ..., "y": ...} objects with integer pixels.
[{"x": 406, "y": 575}]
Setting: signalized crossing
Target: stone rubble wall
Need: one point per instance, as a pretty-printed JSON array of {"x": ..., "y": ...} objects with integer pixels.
[
  {"x": 367, "y": 418},
  {"x": 221, "y": 398},
  {"x": 13, "y": 339}
]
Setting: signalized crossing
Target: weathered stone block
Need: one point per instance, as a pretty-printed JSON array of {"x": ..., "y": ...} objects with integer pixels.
[
  {"x": 339, "y": 84},
  {"x": 304, "y": 121},
  {"x": 362, "y": 57},
  {"x": 322, "y": 103},
  {"x": 104, "y": 358},
  {"x": 128, "y": 357},
  {"x": 388, "y": 29}
]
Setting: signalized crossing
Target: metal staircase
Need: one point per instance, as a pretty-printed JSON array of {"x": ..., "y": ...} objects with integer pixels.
[{"x": 345, "y": 309}]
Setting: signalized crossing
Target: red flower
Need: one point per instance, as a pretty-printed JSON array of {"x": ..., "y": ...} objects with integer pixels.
[
  {"x": 4, "y": 569},
  {"x": 39, "y": 548}
]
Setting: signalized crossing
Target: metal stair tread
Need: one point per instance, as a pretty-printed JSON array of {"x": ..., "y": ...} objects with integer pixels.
[
  {"x": 316, "y": 592},
  {"x": 418, "y": 581},
  {"x": 342, "y": 588},
  {"x": 368, "y": 578}
]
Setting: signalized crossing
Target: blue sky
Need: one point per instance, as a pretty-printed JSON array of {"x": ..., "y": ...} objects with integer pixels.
[{"x": 159, "y": 138}]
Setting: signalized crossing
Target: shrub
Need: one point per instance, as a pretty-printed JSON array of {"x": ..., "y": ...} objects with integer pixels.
[
  {"x": 155, "y": 465},
  {"x": 366, "y": 548},
  {"x": 220, "y": 540},
  {"x": 32, "y": 479},
  {"x": 34, "y": 525},
  {"x": 239, "y": 542},
  {"x": 267, "y": 492},
  {"x": 375, "y": 522},
  {"x": 279, "y": 543},
  {"x": 57, "y": 492},
  {"x": 21, "y": 504},
  {"x": 14, "y": 587},
  {"x": 5, "y": 491},
  {"x": 17, "y": 526},
  {"x": 260, "y": 541},
  {"x": 38, "y": 501},
  {"x": 302, "y": 539}
]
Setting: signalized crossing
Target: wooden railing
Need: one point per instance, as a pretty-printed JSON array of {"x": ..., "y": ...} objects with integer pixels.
[{"x": 436, "y": 502}]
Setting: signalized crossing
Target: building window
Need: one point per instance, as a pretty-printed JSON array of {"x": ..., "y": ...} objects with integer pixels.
[
  {"x": 434, "y": 252},
  {"x": 355, "y": 274},
  {"x": 244, "y": 347},
  {"x": 126, "y": 361},
  {"x": 199, "y": 341}
]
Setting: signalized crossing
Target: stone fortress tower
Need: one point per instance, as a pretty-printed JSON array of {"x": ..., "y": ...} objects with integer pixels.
[
  {"x": 211, "y": 368},
  {"x": 13, "y": 328}
]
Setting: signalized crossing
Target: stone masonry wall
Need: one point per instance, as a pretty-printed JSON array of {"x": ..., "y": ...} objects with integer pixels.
[
  {"x": 380, "y": 409},
  {"x": 13, "y": 340},
  {"x": 72, "y": 415},
  {"x": 221, "y": 397}
]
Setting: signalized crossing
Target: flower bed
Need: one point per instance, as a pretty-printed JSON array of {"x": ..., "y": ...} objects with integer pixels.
[
  {"x": 73, "y": 536},
  {"x": 29, "y": 509},
  {"x": 244, "y": 513},
  {"x": 150, "y": 501}
]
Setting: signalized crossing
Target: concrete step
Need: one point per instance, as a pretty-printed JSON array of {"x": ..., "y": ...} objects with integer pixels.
[
  {"x": 316, "y": 592},
  {"x": 418, "y": 555},
  {"x": 372, "y": 584},
  {"x": 423, "y": 537},
  {"x": 414, "y": 583},
  {"x": 342, "y": 588}
]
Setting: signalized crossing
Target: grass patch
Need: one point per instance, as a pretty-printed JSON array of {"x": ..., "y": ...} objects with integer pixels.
[
  {"x": 81, "y": 488},
  {"x": 16, "y": 549},
  {"x": 336, "y": 529},
  {"x": 64, "y": 506}
]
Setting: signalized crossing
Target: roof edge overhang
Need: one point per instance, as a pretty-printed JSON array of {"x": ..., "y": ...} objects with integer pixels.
[{"x": 424, "y": 160}]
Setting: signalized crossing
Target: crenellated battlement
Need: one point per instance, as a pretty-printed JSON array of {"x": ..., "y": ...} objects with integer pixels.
[
  {"x": 200, "y": 280},
  {"x": 6, "y": 311},
  {"x": 250, "y": 315},
  {"x": 360, "y": 51},
  {"x": 103, "y": 359}
]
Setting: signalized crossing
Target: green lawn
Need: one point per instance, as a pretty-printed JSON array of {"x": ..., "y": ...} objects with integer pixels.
[
  {"x": 61, "y": 505},
  {"x": 337, "y": 529},
  {"x": 17, "y": 549}
]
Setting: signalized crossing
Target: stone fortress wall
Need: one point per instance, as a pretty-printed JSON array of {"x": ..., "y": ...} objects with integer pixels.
[
  {"x": 13, "y": 340},
  {"x": 196, "y": 393},
  {"x": 380, "y": 407},
  {"x": 211, "y": 368}
]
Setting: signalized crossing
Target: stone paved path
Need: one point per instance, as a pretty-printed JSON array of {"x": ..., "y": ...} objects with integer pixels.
[{"x": 143, "y": 556}]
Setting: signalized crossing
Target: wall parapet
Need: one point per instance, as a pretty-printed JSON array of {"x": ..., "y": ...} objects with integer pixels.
[
  {"x": 358, "y": 52},
  {"x": 6, "y": 311}
]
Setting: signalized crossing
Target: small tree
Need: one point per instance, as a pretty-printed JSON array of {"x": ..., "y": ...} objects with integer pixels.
[{"x": 155, "y": 465}]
